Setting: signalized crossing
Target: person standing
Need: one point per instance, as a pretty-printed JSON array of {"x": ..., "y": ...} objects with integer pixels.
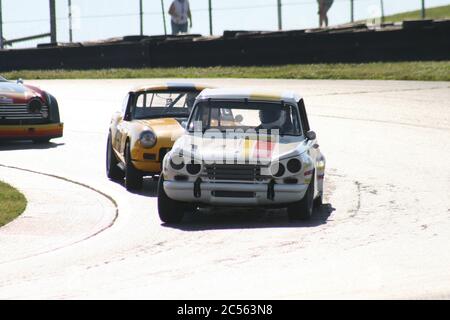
[
  {"x": 324, "y": 6},
  {"x": 180, "y": 12}
]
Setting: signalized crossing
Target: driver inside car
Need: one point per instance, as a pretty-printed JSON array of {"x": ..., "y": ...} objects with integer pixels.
[{"x": 274, "y": 119}]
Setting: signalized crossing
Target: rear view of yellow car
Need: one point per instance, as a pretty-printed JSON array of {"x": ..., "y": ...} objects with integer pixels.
[{"x": 151, "y": 120}]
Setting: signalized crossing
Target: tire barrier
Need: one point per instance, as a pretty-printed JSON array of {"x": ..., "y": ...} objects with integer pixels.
[{"x": 422, "y": 40}]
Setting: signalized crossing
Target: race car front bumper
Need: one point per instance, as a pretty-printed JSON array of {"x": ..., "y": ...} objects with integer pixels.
[
  {"x": 32, "y": 131},
  {"x": 234, "y": 194}
]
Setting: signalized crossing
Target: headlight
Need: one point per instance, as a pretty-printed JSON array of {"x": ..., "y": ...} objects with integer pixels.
[
  {"x": 294, "y": 165},
  {"x": 176, "y": 162},
  {"x": 147, "y": 139},
  {"x": 277, "y": 169},
  {"x": 194, "y": 168},
  {"x": 35, "y": 106}
]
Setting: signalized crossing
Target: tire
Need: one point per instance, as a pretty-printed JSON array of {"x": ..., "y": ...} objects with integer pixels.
[
  {"x": 318, "y": 202},
  {"x": 170, "y": 211},
  {"x": 113, "y": 172},
  {"x": 41, "y": 141},
  {"x": 303, "y": 210},
  {"x": 133, "y": 177}
]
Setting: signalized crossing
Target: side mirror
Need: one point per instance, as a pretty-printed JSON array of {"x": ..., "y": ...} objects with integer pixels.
[
  {"x": 311, "y": 135},
  {"x": 239, "y": 118},
  {"x": 19, "y": 81}
]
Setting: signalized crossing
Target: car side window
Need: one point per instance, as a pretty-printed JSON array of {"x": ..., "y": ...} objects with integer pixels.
[{"x": 303, "y": 116}]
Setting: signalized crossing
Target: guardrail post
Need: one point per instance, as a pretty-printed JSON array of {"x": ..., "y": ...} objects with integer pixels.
[
  {"x": 423, "y": 9},
  {"x": 52, "y": 21},
  {"x": 1, "y": 26},
  {"x": 70, "y": 22},
  {"x": 141, "y": 17},
  {"x": 210, "y": 17},
  {"x": 352, "y": 11},
  {"x": 164, "y": 17},
  {"x": 280, "y": 16}
]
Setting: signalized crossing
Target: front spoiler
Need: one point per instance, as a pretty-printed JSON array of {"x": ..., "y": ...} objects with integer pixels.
[{"x": 30, "y": 132}]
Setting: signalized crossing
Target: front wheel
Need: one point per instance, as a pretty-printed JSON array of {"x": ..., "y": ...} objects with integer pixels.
[
  {"x": 113, "y": 172},
  {"x": 133, "y": 177},
  {"x": 303, "y": 210},
  {"x": 170, "y": 211}
]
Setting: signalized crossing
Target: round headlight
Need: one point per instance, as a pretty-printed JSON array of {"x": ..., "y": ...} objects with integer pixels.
[
  {"x": 35, "y": 106},
  {"x": 147, "y": 139},
  {"x": 278, "y": 170},
  {"x": 294, "y": 165},
  {"x": 193, "y": 168},
  {"x": 177, "y": 163}
]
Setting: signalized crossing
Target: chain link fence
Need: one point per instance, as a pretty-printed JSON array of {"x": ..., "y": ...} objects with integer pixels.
[{"x": 24, "y": 23}]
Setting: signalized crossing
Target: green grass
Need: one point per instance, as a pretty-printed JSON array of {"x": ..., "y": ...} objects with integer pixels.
[
  {"x": 12, "y": 203},
  {"x": 441, "y": 12},
  {"x": 426, "y": 71}
]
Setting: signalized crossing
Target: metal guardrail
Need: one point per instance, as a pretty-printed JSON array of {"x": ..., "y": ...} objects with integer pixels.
[{"x": 278, "y": 5}]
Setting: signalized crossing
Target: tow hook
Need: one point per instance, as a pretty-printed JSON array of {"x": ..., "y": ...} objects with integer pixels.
[
  {"x": 197, "y": 190},
  {"x": 271, "y": 190}
]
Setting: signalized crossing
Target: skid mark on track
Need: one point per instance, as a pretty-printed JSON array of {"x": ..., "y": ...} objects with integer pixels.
[
  {"x": 379, "y": 91},
  {"x": 380, "y": 121}
]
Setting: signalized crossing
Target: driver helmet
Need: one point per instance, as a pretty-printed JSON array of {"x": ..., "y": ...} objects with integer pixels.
[{"x": 272, "y": 118}]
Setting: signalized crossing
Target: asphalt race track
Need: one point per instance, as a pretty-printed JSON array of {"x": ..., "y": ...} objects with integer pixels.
[{"x": 383, "y": 232}]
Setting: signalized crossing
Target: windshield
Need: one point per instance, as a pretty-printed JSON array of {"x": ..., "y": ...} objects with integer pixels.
[
  {"x": 150, "y": 105},
  {"x": 256, "y": 116}
]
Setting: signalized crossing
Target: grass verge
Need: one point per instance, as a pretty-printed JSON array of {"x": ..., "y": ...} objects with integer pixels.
[
  {"x": 441, "y": 12},
  {"x": 12, "y": 203},
  {"x": 425, "y": 71}
]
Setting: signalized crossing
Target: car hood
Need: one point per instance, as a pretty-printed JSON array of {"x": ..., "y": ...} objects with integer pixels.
[
  {"x": 165, "y": 128},
  {"x": 16, "y": 93},
  {"x": 218, "y": 150}
]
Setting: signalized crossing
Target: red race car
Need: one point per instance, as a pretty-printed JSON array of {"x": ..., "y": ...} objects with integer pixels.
[{"x": 28, "y": 113}]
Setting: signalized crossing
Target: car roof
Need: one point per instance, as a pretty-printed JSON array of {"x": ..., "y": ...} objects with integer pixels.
[
  {"x": 249, "y": 94},
  {"x": 177, "y": 86}
]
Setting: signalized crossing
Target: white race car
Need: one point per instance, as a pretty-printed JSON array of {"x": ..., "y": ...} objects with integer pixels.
[{"x": 241, "y": 149}]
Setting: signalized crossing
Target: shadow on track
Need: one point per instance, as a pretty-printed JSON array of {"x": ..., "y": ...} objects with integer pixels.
[
  {"x": 236, "y": 218},
  {"x": 27, "y": 145},
  {"x": 149, "y": 188},
  {"x": 219, "y": 219}
]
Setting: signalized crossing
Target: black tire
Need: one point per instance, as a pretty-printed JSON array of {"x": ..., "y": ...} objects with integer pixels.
[
  {"x": 170, "y": 211},
  {"x": 133, "y": 177},
  {"x": 41, "y": 141},
  {"x": 113, "y": 172},
  {"x": 318, "y": 202},
  {"x": 303, "y": 210}
]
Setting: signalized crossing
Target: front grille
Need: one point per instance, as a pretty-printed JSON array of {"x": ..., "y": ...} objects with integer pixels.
[
  {"x": 20, "y": 113},
  {"x": 241, "y": 172}
]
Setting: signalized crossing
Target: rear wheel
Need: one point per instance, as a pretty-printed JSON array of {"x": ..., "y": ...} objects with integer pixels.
[
  {"x": 303, "y": 210},
  {"x": 133, "y": 177},
  {"x": 170, "y": 211},
  {"x": 112, "y": 169}
]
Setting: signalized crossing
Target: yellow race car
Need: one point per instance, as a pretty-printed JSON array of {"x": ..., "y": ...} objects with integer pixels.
[{"x": 151, "y": 120}]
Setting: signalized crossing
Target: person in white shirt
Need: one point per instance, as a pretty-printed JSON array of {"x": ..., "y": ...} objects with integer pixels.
[{"x": 180, "y": 12}]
